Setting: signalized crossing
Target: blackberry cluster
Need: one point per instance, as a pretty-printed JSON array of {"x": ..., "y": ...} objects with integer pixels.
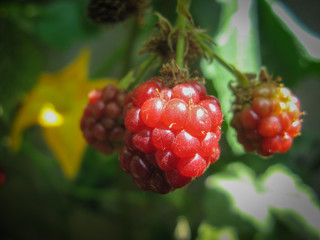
[
  {"x": 102, "y": 121},
  {"x": 172, "y": 134}
]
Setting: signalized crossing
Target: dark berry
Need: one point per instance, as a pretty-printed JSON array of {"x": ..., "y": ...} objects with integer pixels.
[{"x": 102, "y": 121}]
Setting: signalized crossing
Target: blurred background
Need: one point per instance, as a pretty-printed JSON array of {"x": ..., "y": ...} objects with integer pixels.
[{"x": 46, "y": 194}]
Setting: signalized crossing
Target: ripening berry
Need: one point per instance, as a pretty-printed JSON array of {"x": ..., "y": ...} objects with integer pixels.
[
  {"x": 270, "y": 121},
  {"x": 172, "y": 135}
]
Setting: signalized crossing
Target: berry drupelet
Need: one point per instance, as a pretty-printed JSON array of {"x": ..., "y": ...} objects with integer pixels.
[
  {"x": 102, "y": 121},
  {"x": 172, "y": 134}
]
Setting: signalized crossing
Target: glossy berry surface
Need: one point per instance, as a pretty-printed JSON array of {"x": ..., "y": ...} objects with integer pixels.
[
  {"x": 102, "y": 121},
  {"x": 270, "y": 121},
  {"x": 172, "y": 134}
]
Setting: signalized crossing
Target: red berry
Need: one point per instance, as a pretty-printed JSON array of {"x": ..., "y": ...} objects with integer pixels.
[
  {"x": 172, "y": 134},
  {"x": 162, "y": 138},
  {"x": 175, "y": 114},
  {"x": 295, "y": 128},
  {"x": 166, "y": 94},
  {"x": 209, "y": 144},
  {"x": 142, "y": 141},
  {"x": 262, "y": 106},
  {"x": 94, "y": 96},
  {"x": 192, "y": 166},
  {"x": 144, "y": 92},
  {"x": 269, "y": 126},
  {"x": 133, "y": 121},
  {"x": 214, "y": 156},
  {"x": 166, "y": 161},
  {"x": 151, "y": 111},
  {"x": 202, "y": 91},
  {"x": 249, "y": 119},
  {"x": 185, "y": 145},
  {"x": 214, "y": 111},
  {"x": 186, "y": 92},
  {"x": 199, "y": 121}
]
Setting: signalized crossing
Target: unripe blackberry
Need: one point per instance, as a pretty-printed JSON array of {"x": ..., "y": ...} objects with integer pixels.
[
  {"x": 102, "y": 121},
  {"x": 172, "y": 134},
  {"x": 266, "y": 116}
]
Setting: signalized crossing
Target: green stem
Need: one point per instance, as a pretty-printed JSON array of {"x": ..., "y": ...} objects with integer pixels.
[
  {"x": 180, "y": 45},
  {"x": 181, "y": 26},
  {"x": 241, "y": 78},
  {"x": 144, "y": 69}
]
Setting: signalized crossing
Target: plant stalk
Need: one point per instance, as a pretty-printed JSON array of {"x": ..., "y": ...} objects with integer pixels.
[
  {"x": 181, "y": 26},
  {"x": 241, "y": 78}
]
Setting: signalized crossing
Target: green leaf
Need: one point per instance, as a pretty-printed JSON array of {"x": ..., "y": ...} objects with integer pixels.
[
  {"x": 278, "y": 191},
  {"x": 281, "y": 51}
]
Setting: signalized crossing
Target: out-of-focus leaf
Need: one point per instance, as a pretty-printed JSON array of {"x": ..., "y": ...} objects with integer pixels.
[
  {"x": 208, "y": 232},
  {"x": 206, "y": 14},
  {"x": 281, "y": 50},
  {"x": 19, "y": 65},
  {"x": 61, "y": 24},
  {"x": 237, "y": 42},
  {"x": 277, "y": 191},
  {"x": 56, "y": 103},
  {"x": 238, "y": 182},
  {"x": 182, "y": 230},
  {"x": 307, "y": 40}
]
